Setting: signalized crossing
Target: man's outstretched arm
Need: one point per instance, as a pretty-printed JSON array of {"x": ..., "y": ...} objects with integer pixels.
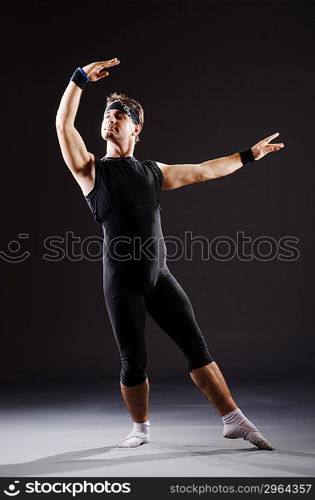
[{"x": 176, "y": 176}]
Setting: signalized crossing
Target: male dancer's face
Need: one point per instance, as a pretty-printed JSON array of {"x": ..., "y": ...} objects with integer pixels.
[{"x": 117, "y": 126}]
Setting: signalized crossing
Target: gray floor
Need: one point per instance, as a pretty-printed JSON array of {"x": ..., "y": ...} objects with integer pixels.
[{"x": 73, "y": 432}]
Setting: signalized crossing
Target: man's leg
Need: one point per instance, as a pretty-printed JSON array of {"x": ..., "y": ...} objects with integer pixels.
[
  {"x": 137, "y": 400},
  {"x": 127, "y": 316},
  {"x": 211, "y": 382},
  {"x": 170, "y": 307}
]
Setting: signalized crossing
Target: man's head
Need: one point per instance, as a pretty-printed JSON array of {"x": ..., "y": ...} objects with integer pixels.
[{"x": 123, "y": 118}]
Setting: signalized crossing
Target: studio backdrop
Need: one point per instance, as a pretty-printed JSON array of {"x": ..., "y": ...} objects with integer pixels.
[{"x": 214, "y": 78}]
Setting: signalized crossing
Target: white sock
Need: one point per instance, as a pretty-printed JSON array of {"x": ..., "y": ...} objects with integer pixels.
[
  {"x": 236, "y": 425},
  {"x": 140, "y": 434}
]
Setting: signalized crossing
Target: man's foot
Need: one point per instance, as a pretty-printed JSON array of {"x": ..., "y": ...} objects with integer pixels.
[
  {"x": 140, "y": 434},
  {"x": 133, "y": 441},
  {"x": 246, "y": 432},
  {"x": 236, "y": 426}
]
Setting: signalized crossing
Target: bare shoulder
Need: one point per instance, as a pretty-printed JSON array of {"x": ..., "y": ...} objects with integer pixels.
[
  {"x": 163, "y": 166},
  {"x": 86, "y": 176}
]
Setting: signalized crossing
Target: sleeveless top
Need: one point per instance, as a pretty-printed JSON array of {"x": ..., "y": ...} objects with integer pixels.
[
  {"x": 125, "y": 201},
  {"x": 126, "y": 181}
]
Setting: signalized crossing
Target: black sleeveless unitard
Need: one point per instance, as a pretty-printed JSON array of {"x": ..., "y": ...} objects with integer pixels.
[{"x": 136, "y": 279}]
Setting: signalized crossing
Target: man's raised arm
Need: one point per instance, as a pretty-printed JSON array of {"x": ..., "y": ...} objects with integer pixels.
[
  {"x": 73, "y": 149},
  {"x": 176, "y": 176}
]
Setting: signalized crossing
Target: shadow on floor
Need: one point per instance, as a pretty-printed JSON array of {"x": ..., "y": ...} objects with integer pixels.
[{"x": 79, "y": 460}]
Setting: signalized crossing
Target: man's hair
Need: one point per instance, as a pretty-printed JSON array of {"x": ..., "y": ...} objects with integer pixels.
[{"x": 131, "y": 103}]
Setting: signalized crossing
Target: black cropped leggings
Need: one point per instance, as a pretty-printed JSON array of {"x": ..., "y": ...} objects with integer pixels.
[{"x": 170, "y": 307}]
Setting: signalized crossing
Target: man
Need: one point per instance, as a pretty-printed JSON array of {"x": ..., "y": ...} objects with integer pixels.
[{"x": 123, "y": 195}]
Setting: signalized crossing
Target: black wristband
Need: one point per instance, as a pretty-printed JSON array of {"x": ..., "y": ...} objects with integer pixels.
[
  {"x": 80, "y": 78},
  {"x": 247, "y": 156}
]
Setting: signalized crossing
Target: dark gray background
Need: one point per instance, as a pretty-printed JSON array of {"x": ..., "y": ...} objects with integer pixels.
[{"x": 214, "y": 77}]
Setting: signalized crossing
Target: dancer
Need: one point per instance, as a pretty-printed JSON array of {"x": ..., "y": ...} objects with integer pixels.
[{"x": 123, "y": 195}]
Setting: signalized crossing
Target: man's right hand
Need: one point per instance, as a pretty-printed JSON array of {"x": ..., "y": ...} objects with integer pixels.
[{"x": 95, "y": 70}]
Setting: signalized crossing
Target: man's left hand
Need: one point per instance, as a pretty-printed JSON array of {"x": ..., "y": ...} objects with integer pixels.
[{"x": 263, "y": 147}]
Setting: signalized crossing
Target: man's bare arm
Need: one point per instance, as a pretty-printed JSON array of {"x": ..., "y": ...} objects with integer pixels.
[
  {"x": 176, "y": 176},
  {"x": 72, "y": 146}
]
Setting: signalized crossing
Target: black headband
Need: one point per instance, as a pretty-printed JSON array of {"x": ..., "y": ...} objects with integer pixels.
[{"x": 131, "y": 112}]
